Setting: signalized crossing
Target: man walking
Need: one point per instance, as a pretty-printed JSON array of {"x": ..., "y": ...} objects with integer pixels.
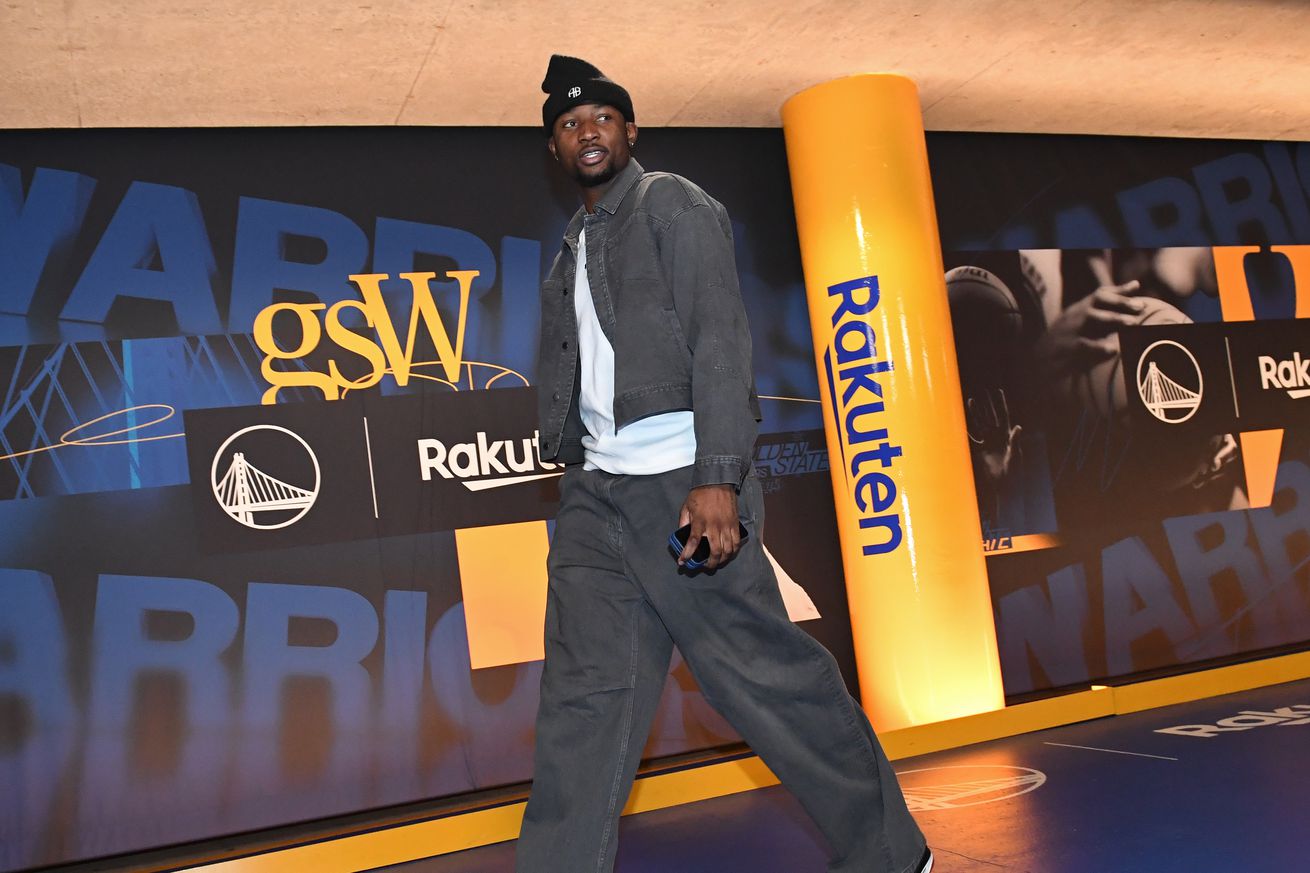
[{"x": 645, "y": 387}]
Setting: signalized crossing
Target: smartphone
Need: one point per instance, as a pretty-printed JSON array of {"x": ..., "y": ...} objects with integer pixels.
[{"x": 678, "y": 542}]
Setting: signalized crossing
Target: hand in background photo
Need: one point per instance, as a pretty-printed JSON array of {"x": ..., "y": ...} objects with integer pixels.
[
  {"x": 1086, "y": 331},
  {"x": 994, "y": 438}
]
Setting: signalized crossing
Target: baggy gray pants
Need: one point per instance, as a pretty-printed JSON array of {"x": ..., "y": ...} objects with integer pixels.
[{"x": 617, "y": 605}]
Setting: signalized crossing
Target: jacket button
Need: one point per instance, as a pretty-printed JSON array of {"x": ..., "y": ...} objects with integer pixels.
[
  {"x": 566, "y": 344},
  {"x": 555, "y": 396},
  {"x": 566, "y": 292}
]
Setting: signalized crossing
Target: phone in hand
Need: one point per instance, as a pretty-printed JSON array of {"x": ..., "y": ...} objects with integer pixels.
[{"x": 678, "y": 542}]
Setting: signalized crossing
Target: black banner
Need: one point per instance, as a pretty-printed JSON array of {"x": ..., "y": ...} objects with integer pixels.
[
  {"x": 367, "y": 466},
  {"x": 1218, "y": 378}
]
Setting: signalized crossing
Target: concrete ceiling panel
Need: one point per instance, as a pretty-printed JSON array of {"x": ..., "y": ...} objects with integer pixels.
[
  {"x": 38, "y": 87},
  {"x": 1222, "y": 68}
]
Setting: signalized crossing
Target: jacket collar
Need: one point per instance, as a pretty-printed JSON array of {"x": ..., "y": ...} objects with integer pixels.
[{"x": 618, "y": 189}]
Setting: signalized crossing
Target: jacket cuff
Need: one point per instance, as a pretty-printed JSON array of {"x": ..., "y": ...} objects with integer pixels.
[{"x": 720, "y": 470}]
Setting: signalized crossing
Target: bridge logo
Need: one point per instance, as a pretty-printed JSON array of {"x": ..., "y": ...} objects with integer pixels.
[
  {"x": 960, "y": 785},
  {"x": 255, "y": 498},
  {"x": 1169, "y": 381}
]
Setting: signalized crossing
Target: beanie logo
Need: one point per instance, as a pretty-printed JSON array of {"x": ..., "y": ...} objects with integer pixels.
[{"x": 575, "y": 91}]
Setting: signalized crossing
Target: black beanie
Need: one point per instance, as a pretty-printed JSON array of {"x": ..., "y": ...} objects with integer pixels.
[{"x": 571, "y": 82}]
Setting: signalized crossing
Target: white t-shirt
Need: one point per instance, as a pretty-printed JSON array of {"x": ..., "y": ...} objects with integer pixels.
[{"x": 655, "y": 444}]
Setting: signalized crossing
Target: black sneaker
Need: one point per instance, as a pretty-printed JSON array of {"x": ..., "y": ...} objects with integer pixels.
[{"x": 925, "y": 863}]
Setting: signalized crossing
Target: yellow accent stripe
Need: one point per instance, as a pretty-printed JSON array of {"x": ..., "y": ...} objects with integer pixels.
[
  {"x": 381, "y": 848},
  {"x": 469, "y": 830},
  {"x": 792, "y": 399},
  {"x": 1021, "y": 718},
  {"x": 698, "y": 783},
  {"x": 1210, "y": 683}
]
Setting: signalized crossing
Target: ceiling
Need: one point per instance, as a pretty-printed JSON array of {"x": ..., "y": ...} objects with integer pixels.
[{"x": 1211, "y": 68}]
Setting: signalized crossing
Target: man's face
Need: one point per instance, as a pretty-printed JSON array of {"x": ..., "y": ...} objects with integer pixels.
[{"x": 591, "y": 142}]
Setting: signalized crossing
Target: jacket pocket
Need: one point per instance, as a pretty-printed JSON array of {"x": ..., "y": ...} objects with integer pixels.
[{"x": 675, "y": 331}]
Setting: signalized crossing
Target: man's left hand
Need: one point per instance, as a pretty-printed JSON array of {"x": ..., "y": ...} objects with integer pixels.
[{"x": 712, "y": 512}]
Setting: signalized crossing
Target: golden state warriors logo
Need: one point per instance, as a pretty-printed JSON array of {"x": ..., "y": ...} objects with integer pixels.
[
  {"x": 1169, "y": 381},
  {"x": 962, "y": 785},
  {"x": 356, "y": 361},
  {"x": 253, "y": 496}
]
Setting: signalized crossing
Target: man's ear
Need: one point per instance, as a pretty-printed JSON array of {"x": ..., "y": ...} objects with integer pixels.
[
  {"x": 632, "y": 132},
  {"x": 550, "y": 147}
]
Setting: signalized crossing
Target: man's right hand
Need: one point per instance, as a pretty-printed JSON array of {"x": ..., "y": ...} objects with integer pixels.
[{"x": 711, "y": 510}]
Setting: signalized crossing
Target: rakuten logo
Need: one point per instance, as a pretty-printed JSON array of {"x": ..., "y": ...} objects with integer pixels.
[
  {"x": 856, "y": 375},
  {"x": 488, "y": 464},
  {"x": 1293, "y": 375},
  {"x": 1244, "y": 721}
]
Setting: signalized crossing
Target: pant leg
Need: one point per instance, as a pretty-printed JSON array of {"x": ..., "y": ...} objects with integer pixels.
[
  {"x": 607, "y": 656},
  {"x": 774, "y": 683}
]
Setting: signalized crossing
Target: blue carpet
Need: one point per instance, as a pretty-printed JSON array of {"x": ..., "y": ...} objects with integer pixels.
[{"x": 1133, "y": 801}]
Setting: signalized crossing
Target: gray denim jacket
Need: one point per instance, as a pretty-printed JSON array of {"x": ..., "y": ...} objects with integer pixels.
[{"x": 664, "y": 281}]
